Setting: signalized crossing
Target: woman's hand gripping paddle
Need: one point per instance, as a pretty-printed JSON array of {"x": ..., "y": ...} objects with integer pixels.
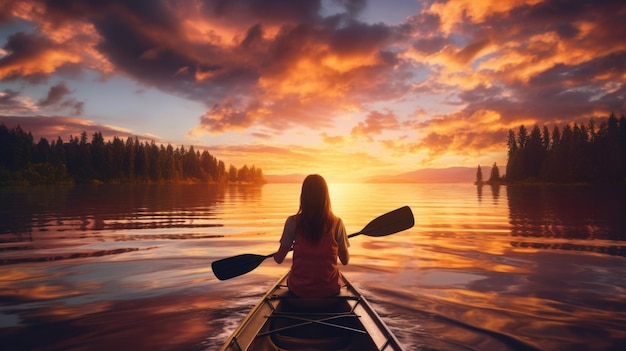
[{"x": 390, "y": 223}]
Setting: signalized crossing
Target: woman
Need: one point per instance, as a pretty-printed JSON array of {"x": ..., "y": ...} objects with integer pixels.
[{"x": 318, "y": 238}]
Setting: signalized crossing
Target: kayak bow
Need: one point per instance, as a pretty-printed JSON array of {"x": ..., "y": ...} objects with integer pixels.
[{"x": 282, "y": 321}]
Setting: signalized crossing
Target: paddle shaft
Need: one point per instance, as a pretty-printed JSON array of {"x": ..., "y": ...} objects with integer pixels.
[{"x": 349, "y": 236}]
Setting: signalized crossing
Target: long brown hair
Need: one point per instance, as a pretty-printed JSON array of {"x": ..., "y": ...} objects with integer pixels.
[{"x": 315, "y": 216}]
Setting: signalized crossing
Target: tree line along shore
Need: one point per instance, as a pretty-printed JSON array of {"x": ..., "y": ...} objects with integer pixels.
[
  {"x": 574, "y": 154},
  {"x": 24, "y": 162}
]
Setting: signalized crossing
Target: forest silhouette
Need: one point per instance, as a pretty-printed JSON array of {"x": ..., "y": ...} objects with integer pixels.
[
  {"x": 577, "y": 154},
  {"x": 22, "y": 161}
]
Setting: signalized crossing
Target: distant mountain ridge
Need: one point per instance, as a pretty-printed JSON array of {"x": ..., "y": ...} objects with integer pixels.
[{"x": 426, "y": 175}]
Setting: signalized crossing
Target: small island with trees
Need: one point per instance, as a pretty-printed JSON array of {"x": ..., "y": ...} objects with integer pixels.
[
  {"x": 577, "y": 154},
  {"x": 494, "y": 177},
  {"x": 24, "y": 162}
]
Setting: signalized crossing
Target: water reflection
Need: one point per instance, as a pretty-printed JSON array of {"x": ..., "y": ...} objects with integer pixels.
[
  {"x": 102, "y": 207},
  {"x": 579, "y": 218},
  {"x": 37, "y": 223},
  {"x": 495, "y": 192},
  {"x": 142, "y": 278}
]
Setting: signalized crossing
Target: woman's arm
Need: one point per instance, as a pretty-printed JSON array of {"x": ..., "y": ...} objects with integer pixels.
[
  {"x": 342, "y": 241},
  {"x": 344, "y": 256},
  {"x": 279, "y": 256},
  {"x": 286, "y": 240}
]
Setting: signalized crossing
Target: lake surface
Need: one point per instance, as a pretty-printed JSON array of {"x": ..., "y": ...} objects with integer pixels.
[{"x": 127, "y": 267}]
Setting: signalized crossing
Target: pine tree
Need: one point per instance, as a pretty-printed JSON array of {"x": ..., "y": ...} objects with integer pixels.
[
  {"x": 512, "y": 165},
  {"x": 479, "y": 176},
  {"x": 494, "y": 177}
]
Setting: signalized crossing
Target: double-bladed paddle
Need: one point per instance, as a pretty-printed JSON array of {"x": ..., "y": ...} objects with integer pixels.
[{"x": 391, "y": 222}]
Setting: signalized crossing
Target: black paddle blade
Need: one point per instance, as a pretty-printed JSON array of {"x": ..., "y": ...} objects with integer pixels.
[
  {"x": 391, "y": 222},
  {"x": 235, "y": 266}
]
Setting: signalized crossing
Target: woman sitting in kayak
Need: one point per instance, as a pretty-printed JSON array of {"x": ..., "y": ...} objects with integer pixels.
[{"x": 318, "y": 238}]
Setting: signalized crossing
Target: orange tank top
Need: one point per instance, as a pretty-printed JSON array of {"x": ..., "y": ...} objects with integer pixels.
[{"x": 314, "y": 271}]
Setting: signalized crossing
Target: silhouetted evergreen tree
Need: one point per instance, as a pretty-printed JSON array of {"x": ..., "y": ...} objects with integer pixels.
[
  {"x": 545, "y": 139},
  {"x": 609, "y": 153},
  {"x": 98, "y": 156},
  {"x": 479, "y": 176},
  {"x": 129, "y": 159},
  {"x": 232, "y": 173},
  {"x": 208, "y": 167},
  {"x": 58, "y": 152},
  {"x": 495, "y": 174},
  {"x": 42, "y": 152},
  {"x": 513, "y": 165},
  {"x": 142, "y": 162},
  {"x": 155, "y": 163},
  {"x": 533, "y": 154},
  {"x": 5, "y": 147},
  {"x": 20, "y": 149}
]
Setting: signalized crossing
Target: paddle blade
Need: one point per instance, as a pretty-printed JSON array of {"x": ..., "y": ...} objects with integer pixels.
[
  {"x": 235, "y": 266},
  {"x": 391, "y": 222}
]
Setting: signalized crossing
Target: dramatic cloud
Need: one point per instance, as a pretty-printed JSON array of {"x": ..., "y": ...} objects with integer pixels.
[
  {"x": 12, "y": 102},
  {"x": 33, "y": 58},
  {"x": 473, "y": 69},
  {"x": 525, "y": 62},
  {"x": 57, "y": 100}
]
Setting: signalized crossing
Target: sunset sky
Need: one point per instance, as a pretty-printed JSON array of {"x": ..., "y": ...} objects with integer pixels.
[{"x": 344, "y": 88}]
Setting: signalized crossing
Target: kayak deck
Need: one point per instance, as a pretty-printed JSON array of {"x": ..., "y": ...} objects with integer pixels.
[{"x": 282, "y": 321}]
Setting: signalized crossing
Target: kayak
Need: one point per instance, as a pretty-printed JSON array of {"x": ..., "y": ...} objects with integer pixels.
[{"x": 282, "y": 321}]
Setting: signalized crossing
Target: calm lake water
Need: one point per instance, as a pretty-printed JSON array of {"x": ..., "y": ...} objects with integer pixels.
[{"x": 127, "y": 267}]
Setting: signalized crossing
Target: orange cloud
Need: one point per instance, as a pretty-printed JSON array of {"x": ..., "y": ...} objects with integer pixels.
[
  {"x": 43, "y": 62},
  {"x": 229, "y": 116},
  {"x": 470, "y": 136},
  {"x": 375, "y": 124},
  {"x": 453, "y": 13},
  {"x": 333, "y": 140}
]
